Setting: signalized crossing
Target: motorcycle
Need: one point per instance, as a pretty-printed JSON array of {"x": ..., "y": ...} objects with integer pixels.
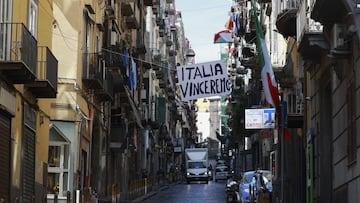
[{"x": 232, "y": 192}]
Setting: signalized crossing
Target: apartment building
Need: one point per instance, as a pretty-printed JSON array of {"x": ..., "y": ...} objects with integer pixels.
[{"x": 28, "y": 85}]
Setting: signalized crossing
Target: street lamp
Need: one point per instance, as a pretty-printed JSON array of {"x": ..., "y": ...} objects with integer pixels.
[{"x": 190, "y": 56}]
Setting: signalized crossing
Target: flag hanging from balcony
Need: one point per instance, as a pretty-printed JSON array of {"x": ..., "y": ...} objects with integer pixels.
[
  {"x": 132, "y": 77},
  {"x": 223, "y": 36},
  {"x": 267, "y": 73}
]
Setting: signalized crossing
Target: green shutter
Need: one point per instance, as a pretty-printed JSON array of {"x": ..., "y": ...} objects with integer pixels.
[{"x": 161, "y": 109}]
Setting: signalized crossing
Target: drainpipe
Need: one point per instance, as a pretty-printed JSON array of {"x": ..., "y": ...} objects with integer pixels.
[{"x": 83, "y": 117}]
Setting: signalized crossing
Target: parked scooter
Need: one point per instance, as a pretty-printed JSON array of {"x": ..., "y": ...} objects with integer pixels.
[{"x": 232, "y": 191}]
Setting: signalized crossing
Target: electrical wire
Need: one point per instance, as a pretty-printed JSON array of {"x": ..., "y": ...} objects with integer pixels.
[
  {"x": 59, "y": 28},
  {"x": 137, "y": 59},
  {"x": 204, "y": 8}
]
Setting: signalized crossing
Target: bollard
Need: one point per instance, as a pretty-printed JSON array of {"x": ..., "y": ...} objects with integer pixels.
[
  {"x": 145, "y": 186},
  {"x": 86, "y": 194},
  {"x": 56, "y": 198},
  {"x": 113, "y": 193},
  {"x": 68, "y": 197},
  {"x": 44, "y": 198},
  {"x": 78, "y": 196}
]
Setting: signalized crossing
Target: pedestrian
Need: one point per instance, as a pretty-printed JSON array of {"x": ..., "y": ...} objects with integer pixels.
[{"x": 183, "y": 171}]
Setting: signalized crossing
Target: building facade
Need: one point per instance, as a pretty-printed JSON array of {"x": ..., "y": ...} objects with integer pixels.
[
  {"x": 28, "y": 84},
  {"x": 89, "y": 99},
  {"x": 317, "y": 80}
]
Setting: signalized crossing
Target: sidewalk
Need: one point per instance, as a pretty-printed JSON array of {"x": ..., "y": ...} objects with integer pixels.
[{"x": 150, "y": 194}]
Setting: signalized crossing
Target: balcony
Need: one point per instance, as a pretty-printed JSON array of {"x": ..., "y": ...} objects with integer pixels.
[
  {"x": 162, "y": 29},
  {"x": 310, "y": 37},
  {"x": 45, "y": 85},
  {"x": 328, "y": 12},
  {"x": 131, "y": 22},
  {"x": 286, "y": 19},
  {"x": 113, "y": 56},
  {"x": 156, "y": 60},
  {"x": 156, "y": 9},
  {"x": 140, "y": 48},
  {"x": 148, "y": 2},
  {"x": 127, "y": 8},
  {"x": 106, "y": 93},
  {"x": 18, "y": 55},
  {"x": 250, "y": 31},
  {"x": 147, "y": 63},
  {"x": 118, "y": 141},
  {"x": 160, "y": 74},
  {"x": 93, "y": 71},
  {"x": 131, "y": 14}
]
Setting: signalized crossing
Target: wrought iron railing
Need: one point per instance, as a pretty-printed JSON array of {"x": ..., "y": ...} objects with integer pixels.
[
  {"x": 289, "y": 4},
  {"x": 18, "y": 44},
  {"x": 93, "y": 66},
  {"x": 47, "y": 66},
  {"x": 304, "y": 22}
]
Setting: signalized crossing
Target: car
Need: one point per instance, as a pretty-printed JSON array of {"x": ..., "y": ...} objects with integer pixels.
[
  {"x": 221, "y": 173},
  {"x": 220, "y": 162},
  {"x": 252, "y": 182}
]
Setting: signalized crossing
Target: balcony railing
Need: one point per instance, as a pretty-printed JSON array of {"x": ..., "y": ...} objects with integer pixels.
[
  {"x": 93, "y": 70},
  {"x": 148, "y": 2},
  {"x": 114, "y": 57},
  {"x": 286, "y": 19},
  {"x": 107, "y": 92},
  {"x": 45, "y": 85},
  {"x": 305, "y": 24},
  {"x": 127, "y": 8},
  {"x": 96, "y": 78},
  {"x": 311, "y": 40},
  {"x": 289, "y": 5},
  {"x": 18, "y": 55}
]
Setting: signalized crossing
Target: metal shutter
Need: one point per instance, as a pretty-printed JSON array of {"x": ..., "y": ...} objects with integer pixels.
[
  {"x": 28, "y": 174},
  {"x": 5, "y": 158}
]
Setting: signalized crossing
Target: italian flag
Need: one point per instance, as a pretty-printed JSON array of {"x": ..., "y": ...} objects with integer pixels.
[{"x": 267, "y": 73}]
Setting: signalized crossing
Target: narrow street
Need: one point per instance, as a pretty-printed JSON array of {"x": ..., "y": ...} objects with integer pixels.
[
  {"x": 213, "y": 192},
  {"x": 127, "y": 101}
]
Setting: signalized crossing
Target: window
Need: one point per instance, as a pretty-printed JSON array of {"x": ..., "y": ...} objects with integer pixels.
[
  {"x": 292, "y": 103},
  {"x": 58, "y": 168},
  {"x": 351, "y": 116},
  {"x": 33, "y": 14},
  {"x": 4, "y": 33},
  {"x": 58, "y": 171}
]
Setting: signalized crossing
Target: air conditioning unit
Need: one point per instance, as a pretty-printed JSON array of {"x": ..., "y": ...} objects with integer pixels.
[
  {"x": 113, "y": 38},
  {"x": 339, "y": 37}
]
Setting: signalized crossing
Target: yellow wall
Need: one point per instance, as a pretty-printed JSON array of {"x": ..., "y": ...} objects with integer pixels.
[
  {"x": 16, "y": 135},
  {"x": 68, "y": 46},
  {"x": 66, "y": 37},
  {"x": 20, "y": 10},
  {"x": 44, "y": 38}
]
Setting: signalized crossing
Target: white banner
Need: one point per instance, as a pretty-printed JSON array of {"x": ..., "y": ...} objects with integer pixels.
[{"x": 203, "y": 80}]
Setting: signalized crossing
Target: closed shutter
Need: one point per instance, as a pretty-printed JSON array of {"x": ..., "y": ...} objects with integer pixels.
[
  {"x": 5, "y": 158},
  {"x": 28, "y": 175}
]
